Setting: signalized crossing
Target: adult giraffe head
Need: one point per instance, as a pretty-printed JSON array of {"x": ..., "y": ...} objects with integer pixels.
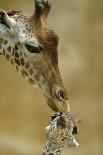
[{"x": 29, "y": 45}]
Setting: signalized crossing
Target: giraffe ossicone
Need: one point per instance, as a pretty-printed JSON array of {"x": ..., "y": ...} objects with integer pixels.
[{"x": 31, "y": 47}]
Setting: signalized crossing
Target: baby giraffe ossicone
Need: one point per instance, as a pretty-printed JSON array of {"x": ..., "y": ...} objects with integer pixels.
[{"x": 31, "y": 47}]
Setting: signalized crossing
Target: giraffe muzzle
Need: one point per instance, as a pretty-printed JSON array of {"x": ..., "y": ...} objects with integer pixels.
[{"x": 59, "y": 99}]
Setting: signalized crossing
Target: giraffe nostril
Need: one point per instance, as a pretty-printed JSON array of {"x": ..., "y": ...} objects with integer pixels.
[{"x": 62, "y": 95}]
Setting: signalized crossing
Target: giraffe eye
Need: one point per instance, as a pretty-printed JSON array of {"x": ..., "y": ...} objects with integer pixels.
[{"x": 33, "y": 48}]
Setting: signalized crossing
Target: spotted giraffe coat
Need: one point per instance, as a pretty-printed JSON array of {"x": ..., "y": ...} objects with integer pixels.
[{"x": 59, "y": 134}]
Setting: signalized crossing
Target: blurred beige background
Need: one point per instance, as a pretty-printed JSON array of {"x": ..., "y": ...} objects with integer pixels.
[{"x": 23, "y": 110}]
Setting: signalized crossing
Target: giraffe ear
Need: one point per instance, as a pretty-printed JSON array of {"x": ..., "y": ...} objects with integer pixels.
[{"x": 33, "y": 48}]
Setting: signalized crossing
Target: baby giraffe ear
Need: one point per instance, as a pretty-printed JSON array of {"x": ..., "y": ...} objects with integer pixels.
[
  {"x": 6, "y": 20},
  {"x": 74, "y": 143},
  {"x": 2, "y": 18},
  {"x": 33, "y": 48}
]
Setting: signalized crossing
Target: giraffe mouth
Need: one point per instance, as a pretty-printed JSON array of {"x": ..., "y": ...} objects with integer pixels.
[
  {"x": 59, "y": 98},
  {"x": 57, "y": 103},
  {"x": 58, "y": 106}
]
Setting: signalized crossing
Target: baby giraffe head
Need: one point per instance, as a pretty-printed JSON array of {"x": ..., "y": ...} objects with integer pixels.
[{"x": 29, "y": 45}]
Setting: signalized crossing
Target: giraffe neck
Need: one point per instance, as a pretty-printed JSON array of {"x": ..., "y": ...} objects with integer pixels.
[{"x": 51, "y": 148}]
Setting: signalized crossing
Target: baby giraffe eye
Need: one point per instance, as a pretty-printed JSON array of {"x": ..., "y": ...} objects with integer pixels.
[{"x": 33, "y": 48}]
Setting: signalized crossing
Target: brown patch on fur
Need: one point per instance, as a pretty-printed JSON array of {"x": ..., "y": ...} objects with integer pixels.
[
  {"x": 17, "y": 61},
  {"x": 19, "y": 43},
  {"x": 50, "y": 42},
  {"x": 17, "y": 55},
  {"x": 37, "y": 76},
  {"x": 31, "y": 71},
  {"x": 24, "y": 73},
  {"x": 4, "y": 51},
  {"x": 5, "y": 42},
  {"x": 22, "y": 62},
  {"x": 25, "y": 54},
  {"x": 20, "y": 53},
  {"x": 12, "y": 13},
  {"x": 13, "y": 51},
  {"x": 1, "y": 41},
  {"x": 7, "y": 56},
  {"x": 27, "y": 65},
  {"x": 16, "y": 47},
  {"x": 9, "y": 48}
]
